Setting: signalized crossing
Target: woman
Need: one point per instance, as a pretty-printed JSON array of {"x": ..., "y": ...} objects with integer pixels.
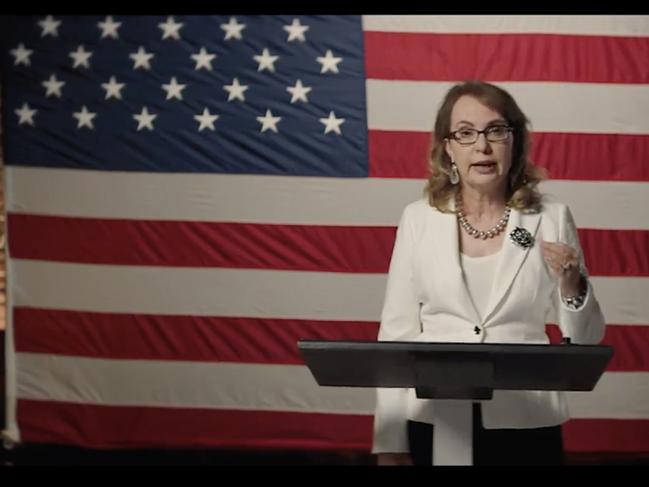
[{"x": 483, "y": 258}]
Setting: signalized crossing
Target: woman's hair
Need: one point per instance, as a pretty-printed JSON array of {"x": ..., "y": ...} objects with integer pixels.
[{"x": 523, "y": 176}]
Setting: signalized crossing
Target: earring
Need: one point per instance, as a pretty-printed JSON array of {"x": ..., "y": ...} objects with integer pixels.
[{"x": 454, "y": 178}]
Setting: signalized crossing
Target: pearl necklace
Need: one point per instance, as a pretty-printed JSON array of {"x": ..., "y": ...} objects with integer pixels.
[{"x": 474, "y": 232}]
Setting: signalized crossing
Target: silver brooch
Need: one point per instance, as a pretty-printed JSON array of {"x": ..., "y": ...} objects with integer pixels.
[{"x": 521, "y": 237}]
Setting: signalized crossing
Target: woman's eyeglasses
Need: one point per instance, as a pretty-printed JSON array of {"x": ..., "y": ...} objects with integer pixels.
[{"x": 493, "y": 133}]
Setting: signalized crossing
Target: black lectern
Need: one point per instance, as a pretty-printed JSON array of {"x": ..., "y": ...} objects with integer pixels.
[{"x": 456, "y": 372}]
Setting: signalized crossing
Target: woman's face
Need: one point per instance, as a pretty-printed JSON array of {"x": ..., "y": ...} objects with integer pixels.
[{"x": 483, "y": 165}]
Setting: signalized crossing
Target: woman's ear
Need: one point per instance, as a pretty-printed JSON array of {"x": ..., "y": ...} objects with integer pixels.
[{"x": 447, "y": 149}]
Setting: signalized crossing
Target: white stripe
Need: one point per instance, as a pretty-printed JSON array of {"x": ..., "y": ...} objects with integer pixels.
[
  {"x": 606, "y": 25},
  {"x": 551, "y": 107},
  {"x": 248, "y": 292},
  {"x": 277, "y": 199},
  {"x": 182, "y": 384},
  {"x": 209, "y": 197},
  {"x": 197, "y": 291},
  {"x": 623, "y": 299},
  {"x": 618, "y": 395},
  {"x": 603, "y": 204},
  {"x": 256, "y": 387}
]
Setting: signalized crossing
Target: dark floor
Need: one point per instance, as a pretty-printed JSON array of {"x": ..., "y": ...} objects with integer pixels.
[
  {"x": 62, "y": 455},
  {"x": 56, "y": 455}
]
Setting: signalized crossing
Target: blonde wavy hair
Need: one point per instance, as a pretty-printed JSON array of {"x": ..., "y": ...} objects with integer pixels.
[{"x": 524, "y": 176}]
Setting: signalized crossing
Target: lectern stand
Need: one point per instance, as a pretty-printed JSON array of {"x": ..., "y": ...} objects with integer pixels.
[{"x": 458, "y": 373}]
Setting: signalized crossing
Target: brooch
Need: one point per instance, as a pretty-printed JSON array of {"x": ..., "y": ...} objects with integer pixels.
[{"x": 521, "y": 237}]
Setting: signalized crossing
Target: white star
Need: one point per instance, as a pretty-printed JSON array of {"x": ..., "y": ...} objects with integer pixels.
[
  {"x": 332, "y": 124},
  {"x": 84, "y": 117},
  {"x": 21, "y": 55},
  {"x": 203, "y": 59},
  {"x": 233, "y": 29},
  {"x": 206, "y": 120},
  {"x": 174, "y": 89},
  {"x": 266, "y": 61},
  {"x": 171, "y": 28},
  {"x": 113, "y": 88},
  {"x": 49, "y": 26},
  {"x": 235, "y": 90},
  {"x": 268, "y": 121},
  {"x": 109, "y": 27},
  {"x": 25, "y": 114},
  {"x": 296, "y": 31},
  {"x": 53, "y": 86},
  {"x": 80, "y": 57},
  {"x": 329, "y": 62},
  {"x": 299, "y": 92},
  {"x": 145, "y": 119},
  {"x": 141, "y": 58}
]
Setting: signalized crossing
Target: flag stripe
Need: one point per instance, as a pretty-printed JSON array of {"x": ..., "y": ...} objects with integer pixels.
[
  {"x": 630, "y": 345},
  {"x": 201, "y": 244},
  {"x": 617, "y": 395},
  {"x": 606, "y": 435},
  {"x": 594, "y": 157},
  {"x": 552, "y": 107},
  {"x": 424, "y": 56},
  {"x": 164, "y": 337},
  {"x": 286, "y": 200},
  {"x": 275, "y": 294},
  {"x": 198, "y": 291},
  {"x": 220, "y": 385},
  {"x": 238, "y": 245},
  {"x": 263, "y": 387},
  {"x": 615, "y": 252},
  {"x": 241, "y": 340},
  {"x": 96, "y": 426},
  {"x": 609, "y": 25}
]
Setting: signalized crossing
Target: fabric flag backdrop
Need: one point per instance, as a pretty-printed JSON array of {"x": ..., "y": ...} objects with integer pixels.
[{"x": 189, "y": 196}]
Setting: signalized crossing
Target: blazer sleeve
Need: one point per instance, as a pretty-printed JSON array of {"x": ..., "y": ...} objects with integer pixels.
[
  {"x": 399, "y": 322},
  {"x": 585, "y": 325}
]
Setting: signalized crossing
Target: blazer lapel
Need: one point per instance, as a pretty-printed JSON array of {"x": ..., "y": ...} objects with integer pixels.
[
  {"x": 446, "y": 248},
  {"x": 511, "y": 258}
]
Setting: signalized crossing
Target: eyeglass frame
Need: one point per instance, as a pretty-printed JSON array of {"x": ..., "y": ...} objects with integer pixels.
[{"x": 478, "y": 132}]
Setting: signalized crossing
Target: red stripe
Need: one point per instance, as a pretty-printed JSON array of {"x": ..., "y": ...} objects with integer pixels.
[
  {"x": 218, "y": 339},
  {"x": 200, "y": 244},
  {"x": 615, "y": 252},
  {"x": 92, "y": 426},
  {"x": 165, "y": 337},
  {"x": 507, "y": 57},
  {"x": 586, "y": 157},
  {"x": 283, "y": 247},
  {"x": 630, "y": 345},
  {"x": 606, "y": 435},
  {"x": 592, "y": 157},
  {"x": 394, "y": 154}
]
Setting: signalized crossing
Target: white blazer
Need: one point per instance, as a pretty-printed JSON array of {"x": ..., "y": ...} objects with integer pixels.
[{"x": 426, "y": 299}]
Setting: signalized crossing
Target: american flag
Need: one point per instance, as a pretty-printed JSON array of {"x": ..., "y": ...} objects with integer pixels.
[{"x": 188, "y": 196}]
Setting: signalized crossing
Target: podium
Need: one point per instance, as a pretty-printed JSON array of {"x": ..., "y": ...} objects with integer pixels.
[{"x": 457, "y": 374}]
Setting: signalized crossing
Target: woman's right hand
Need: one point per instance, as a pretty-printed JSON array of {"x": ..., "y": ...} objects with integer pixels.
[{"x": 394, "y": 459}]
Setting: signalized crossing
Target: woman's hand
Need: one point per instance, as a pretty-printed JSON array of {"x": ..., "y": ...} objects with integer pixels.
[
  {"x": 564, "y": 262},
  {"x": 394, "y": 459}
]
